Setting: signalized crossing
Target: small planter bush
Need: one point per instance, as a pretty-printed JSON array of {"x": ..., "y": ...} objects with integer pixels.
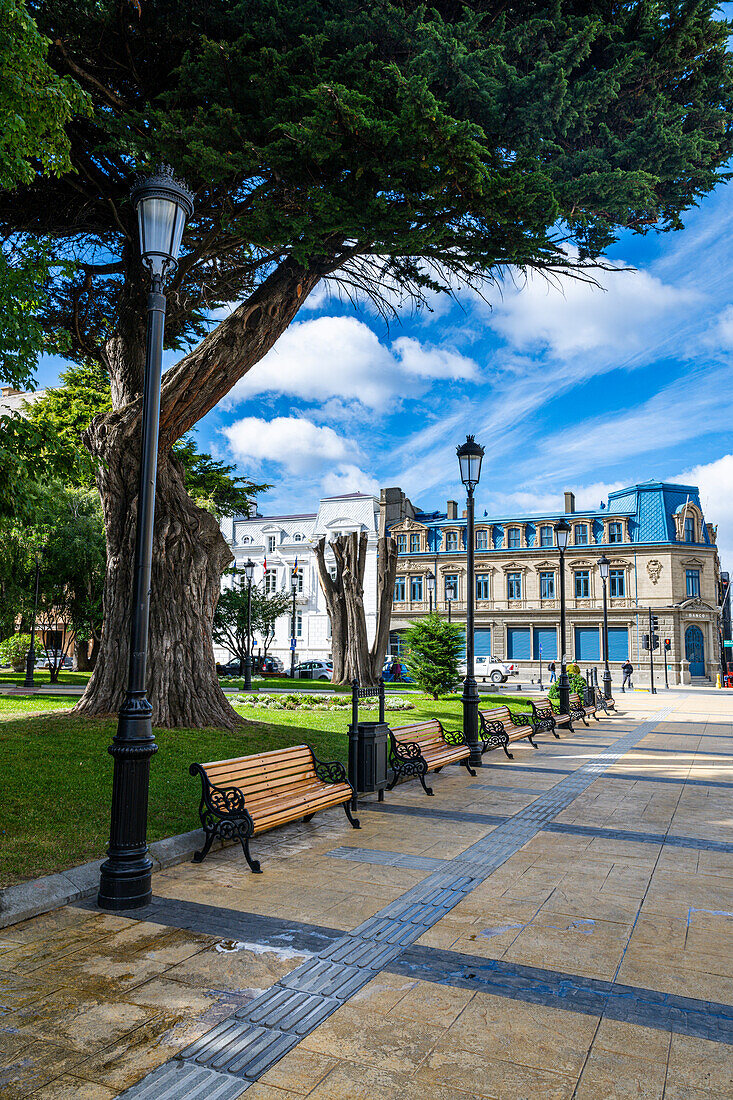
[
  {"x": 14, "y": 650},
  {"x": 577, "y": 684},
  {"x": 303, "y": 700}
]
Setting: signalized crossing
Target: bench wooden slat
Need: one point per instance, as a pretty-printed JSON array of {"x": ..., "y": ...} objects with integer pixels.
[
  {"x": 425, "y": 749},
  {"x": 496, "y": 719},
  {"x": 248, "y": 795}
]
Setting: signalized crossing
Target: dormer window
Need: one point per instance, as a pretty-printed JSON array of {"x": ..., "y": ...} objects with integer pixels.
[
  {"x": 513, "y": 538},
  {"x": 451, "y": 540},
  {"x": 415, "y": 543},
  {"x": 615, "y": 532},
  {"x": 546, "y": 535},
  {"x": 690, "y": 529},
  {"x": 297, "y": 537},
  {"x": 271, "y": 543},
  {"x": 482, "y": 539},
  {"x": 402, "y": 544},
  {"x": 581, "y": 534}
]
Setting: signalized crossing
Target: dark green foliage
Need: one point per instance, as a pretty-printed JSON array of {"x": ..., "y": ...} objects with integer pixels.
[
  {"x": 435, "y": 648},
  {"x": 577, "y": 684},
  {"x": 387, "y": 141},
  {"x": 213, "y": 484}
]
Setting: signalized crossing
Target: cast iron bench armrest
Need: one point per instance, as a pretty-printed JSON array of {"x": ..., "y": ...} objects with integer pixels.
[
  {"x": 406, "y": 750},
  {"x": 329, "y": 771},
  {"x": 453, "y": 737},
  {"x": 224, "y": 801},
  {"x": 522, "y": 719}
]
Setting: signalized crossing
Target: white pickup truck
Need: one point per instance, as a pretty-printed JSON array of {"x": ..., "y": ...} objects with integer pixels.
[{"x": 492, "y": 669}]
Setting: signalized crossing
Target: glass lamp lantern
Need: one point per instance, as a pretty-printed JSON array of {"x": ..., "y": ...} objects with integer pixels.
[
  {"x": 430, "y": 577},
  {"x": 249, "y": 569},
  {"x": 470, "y": 454},
  {"x": 603, "y": 567},
  {"x": 562, "y": 535},
  {"x": 163, "y": 205}
]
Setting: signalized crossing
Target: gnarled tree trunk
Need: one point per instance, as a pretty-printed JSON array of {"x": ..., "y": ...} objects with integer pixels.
[
  {"x": 352, "y": 656},
  {"x": 189, "y": 551}
]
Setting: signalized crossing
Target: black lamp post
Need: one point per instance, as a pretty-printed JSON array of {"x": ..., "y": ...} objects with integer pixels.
[
  {"x": 450, "y": 596},
  {"x": 562, "y": 534},
  {"x": 430, "y": 579},
  {"x": 603, "y": 568},
  {"x": 30, "y": 661},
  {"x": 249, "y": 568},
  {"x": 292, "y": 633},
  {"x": 163, "y": 205},
  {"x": 469, "y": 459}
]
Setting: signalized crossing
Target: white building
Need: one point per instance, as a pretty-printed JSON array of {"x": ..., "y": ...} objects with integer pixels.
[{"x": 280, "y": 541}]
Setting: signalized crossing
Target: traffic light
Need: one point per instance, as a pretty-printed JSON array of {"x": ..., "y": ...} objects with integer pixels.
[
  {"x": 654, "y": 624},
  {"x": 645, "y": 641},
  {"x": 668, "y": 644}
]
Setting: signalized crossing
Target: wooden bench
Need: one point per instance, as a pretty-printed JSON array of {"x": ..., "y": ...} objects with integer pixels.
[
  {"x": 500, "y": 727},
  {"x": 250, "y": 794},
  {"x": 425, "y": 747},
  {"x": 546, "y": 718},
  {"x": 579, "y": 709},
  {"x": 606, "y": 705}
]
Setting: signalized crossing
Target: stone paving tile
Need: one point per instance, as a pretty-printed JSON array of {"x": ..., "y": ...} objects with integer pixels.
[{"x": 399, "y": 1036}]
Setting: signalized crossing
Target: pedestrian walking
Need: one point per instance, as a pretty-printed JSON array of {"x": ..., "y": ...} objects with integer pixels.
[
  {"x": 551, "y": 670},
  {"x": 627, "y": 668}
]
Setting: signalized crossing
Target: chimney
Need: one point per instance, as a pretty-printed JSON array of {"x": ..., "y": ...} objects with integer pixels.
[
  {"x": 465, "y": 513},
  {"x": 452, "y": 509},
  {"x": 569, "y": 502}
]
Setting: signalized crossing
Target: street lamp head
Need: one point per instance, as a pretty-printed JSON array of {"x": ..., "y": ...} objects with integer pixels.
[
  {"x": 163, "y": 205},
  {"x": 249, "y": 569},
  {"x": 470, "y": 454},
  {"x": 430, "y": 578},
  {"x": 562, "y": 535},
  {"x": 603, "y": 567}
]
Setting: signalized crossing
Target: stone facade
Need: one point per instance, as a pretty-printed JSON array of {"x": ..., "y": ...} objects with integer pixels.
[
  {"x": 663, "y": 557},
  {"x": 280, "y": 540}
]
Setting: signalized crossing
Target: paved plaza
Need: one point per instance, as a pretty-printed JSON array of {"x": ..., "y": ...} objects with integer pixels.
[{"x": 557, "y": 927}]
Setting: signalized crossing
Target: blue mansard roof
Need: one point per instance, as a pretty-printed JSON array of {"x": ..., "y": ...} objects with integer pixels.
[{"x": 648, "y": 508}]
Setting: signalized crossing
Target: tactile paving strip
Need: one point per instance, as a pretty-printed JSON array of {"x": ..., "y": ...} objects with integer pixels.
[{"x": 259, "y": 1035}]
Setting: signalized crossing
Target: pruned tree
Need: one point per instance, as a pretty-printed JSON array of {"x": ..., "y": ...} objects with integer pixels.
[
  {"x": 353, "y": 657},
  {"x": 393, "y": 148}
]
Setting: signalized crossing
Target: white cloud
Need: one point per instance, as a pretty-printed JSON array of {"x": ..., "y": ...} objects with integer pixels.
[
  {"x": 715, "y": 481},
  {"x": 348, "y": 479},
  {"x": 569, "y": 317},
  {"x": 342, "y": 358},
  {"x": 428, "y": 361},
  {"x": 290, "y": 441},
  {"x": 721, "y": 335}
]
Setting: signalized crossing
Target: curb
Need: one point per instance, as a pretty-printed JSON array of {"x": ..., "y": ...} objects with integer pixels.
[{"x": 40, "y": 895}]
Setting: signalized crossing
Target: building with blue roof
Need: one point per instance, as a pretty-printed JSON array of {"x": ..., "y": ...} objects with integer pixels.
[{"x": 663, "y": 557}]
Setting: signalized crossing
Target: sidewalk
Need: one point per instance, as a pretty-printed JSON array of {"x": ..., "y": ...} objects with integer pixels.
[{"x": 556, "y": 928}]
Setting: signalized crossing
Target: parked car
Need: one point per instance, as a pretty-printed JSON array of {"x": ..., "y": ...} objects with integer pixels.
[
  {"x": 231, "y": 668},
  {"x": 268, "y": 666},
  {"x": 491, "y": 668},
  {"x": 312, "y": 670},
  {"x": 388, "y": 672}
]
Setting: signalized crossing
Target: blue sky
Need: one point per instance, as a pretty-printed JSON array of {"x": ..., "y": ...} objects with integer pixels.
[{"x": 568, "y": 386}]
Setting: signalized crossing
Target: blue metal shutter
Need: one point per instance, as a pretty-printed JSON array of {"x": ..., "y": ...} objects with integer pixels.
[
  {"x": 587, "y": 643},
  {"x": 482, "y": 642},
  {"x": 517, "y": 643},
  {"x": 618, "y": 643},
  {"x": 545, "y": 636}
]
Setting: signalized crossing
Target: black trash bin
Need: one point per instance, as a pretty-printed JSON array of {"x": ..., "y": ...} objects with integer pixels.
[{"x": 368, "y": 745}]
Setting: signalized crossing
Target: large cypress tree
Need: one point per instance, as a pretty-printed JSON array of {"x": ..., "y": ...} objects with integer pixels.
[{"x": 370, "y": 143}]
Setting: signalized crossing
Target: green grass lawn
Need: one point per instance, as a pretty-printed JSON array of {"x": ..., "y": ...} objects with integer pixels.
[
  {"x": 57, "y": 773},
  {"x": 42, "y": 676}
]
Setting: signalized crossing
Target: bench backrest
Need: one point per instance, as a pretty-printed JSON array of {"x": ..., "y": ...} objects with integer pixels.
[
  {"x": 542, "y": 704},
  {"x": 422, "y": 733},
  {"x": 577, "y": 701},
  {"x": 497, "y": 714},
  {"x": 266, "y": 775}
]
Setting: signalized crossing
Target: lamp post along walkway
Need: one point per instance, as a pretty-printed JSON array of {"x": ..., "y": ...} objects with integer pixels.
[
  {"x": 603, "y": 568},
  {"x": 470, "y": 455},
  {"x": 562, "y": 535},
  {"x": 163, "y": 205}
]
